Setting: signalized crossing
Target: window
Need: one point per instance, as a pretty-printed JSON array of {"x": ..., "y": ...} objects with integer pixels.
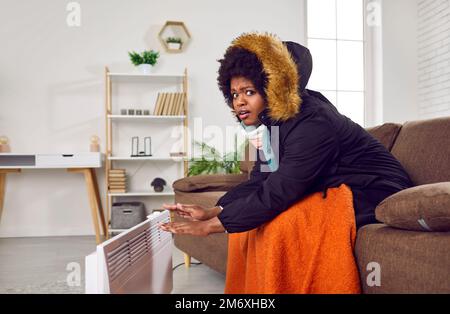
[{"x": 335, "y": 32}]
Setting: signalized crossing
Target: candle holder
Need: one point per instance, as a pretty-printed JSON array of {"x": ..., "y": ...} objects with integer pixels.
[
  {"x": 95, "y": 144},
  {"x": 4, "y": 145}
]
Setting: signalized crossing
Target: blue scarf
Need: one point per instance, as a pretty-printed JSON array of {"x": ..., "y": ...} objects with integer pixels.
[{"x": 272, "y": 162}]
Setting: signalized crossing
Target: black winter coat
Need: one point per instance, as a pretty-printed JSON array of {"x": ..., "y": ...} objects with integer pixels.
[{"x": 318, "y": 147}]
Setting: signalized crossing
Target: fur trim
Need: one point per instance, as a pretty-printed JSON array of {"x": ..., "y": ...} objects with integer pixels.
[{"x": 282, "y": 88}]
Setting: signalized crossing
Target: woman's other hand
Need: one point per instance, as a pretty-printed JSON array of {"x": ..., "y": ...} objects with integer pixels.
[{"x": 193, "y": 212}]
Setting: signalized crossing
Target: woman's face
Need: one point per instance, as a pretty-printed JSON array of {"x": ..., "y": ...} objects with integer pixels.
[{"x": 247, "y": 102}]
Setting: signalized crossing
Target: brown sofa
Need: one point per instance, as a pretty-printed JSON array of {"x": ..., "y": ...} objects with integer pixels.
[{"x": 398, "y": 256}]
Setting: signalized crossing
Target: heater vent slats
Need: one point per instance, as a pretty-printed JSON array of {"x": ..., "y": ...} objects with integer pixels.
[{"x": 131, "y": 251}]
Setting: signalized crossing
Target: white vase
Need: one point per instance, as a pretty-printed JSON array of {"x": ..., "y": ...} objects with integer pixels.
[{"x": 145, "y": 68}]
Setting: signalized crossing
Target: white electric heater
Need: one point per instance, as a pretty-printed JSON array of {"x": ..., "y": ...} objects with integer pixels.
[{"x": 136, "y": 261}]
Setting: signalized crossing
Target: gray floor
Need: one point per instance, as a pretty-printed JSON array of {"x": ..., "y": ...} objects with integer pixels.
[{"x": 39, "y": 265}]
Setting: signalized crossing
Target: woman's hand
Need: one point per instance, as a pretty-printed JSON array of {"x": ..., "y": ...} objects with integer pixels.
[
  {"x": 193, "y": 212},
  {"x": 195, "y": 228}
]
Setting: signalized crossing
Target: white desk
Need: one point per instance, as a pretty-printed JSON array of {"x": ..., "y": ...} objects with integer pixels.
[{"x": 84, "y": 163}]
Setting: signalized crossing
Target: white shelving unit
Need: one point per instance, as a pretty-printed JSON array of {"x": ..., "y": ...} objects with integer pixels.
[
  {"x": 143, "y": 193},
  {"x": 112, "y": 118},
  {"x": 124, "y": 158},
  {"x": 119, "y": 117}
]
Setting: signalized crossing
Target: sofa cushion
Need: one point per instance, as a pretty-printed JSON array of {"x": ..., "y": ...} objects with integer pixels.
[
  {"x": 386, "y": 134},
  {"x": 217, "y": 182},
  {"x": 402, "y": 261},
  {"x": 423, "y": 148},
  {"x": 422, "y": 208}
]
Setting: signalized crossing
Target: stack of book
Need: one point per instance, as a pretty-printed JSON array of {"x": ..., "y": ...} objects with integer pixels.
[
  {"x": 117, "y": 181},
  {"x": 170, "y": 104}
]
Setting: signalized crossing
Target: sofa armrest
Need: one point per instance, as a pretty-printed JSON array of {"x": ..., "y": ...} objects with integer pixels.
[{"x": 204, "y": 183}]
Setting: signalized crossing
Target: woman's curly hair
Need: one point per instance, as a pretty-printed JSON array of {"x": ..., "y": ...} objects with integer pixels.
[{"x": 241, "y": 62}]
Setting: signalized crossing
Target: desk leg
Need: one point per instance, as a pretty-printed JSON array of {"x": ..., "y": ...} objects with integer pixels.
[
  {"x": 91, "y": 196},
  {"x": 99, "y": 205},
  {"x": 2, "y": 191},
  {"x": 3, "y": 173}
]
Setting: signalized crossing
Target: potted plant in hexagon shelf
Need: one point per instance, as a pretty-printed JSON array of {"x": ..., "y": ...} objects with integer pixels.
[
  {"x": 174, "y": 43},
  {"x": 145, "y": 60}
]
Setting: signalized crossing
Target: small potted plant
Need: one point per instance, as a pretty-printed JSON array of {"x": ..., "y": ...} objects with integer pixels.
[
  {"x": 174, "y": 43},
  {"x": 145, "y": 60}
]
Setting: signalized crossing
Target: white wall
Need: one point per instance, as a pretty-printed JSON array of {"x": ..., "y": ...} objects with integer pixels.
[
  {"x": 399, "y": 59},
  {"x": 52, "y": 88},
  {"x": 434, "y": 58}
]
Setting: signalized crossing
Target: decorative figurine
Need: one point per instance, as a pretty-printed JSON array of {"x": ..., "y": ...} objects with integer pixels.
[
  {"x": 4, "y": 145},
  {"x": 158, "y": 184},
  {"x": 123, "y": 112},
  {"x": 95, "y": 144}
]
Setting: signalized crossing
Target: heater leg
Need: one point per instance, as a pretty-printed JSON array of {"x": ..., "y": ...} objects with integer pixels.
[{"x": 187, "y": 260}]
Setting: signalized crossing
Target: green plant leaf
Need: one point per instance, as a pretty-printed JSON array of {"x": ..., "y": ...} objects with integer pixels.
[
  {"x": 146, "y": 57},
  {"x": 211, "y": 162},
  {"x": 135, "y": 58}
]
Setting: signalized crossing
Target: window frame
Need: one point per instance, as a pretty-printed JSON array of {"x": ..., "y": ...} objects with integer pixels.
[{"x": 371, "y": 65}]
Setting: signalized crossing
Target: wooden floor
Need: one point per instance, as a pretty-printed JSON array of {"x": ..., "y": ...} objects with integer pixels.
[{"x": 39, "y": 265}]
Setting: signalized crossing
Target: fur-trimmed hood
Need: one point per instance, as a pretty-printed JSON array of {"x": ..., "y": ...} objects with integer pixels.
[{"x": 288, "y": 66}]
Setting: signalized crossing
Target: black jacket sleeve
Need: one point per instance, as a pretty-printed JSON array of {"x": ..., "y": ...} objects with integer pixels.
[
  {"x": 309, "y": 149},
  {"x": 245, "y": 188}
]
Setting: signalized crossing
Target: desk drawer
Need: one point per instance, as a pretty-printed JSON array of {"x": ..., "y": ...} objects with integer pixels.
[{"x": 81, "y": 160}]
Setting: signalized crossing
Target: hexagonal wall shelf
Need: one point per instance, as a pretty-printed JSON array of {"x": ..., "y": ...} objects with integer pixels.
[{"x": 174, "y": 36}]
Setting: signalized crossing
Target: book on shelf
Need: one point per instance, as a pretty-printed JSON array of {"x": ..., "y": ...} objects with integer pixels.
[
  {"x": 164, "y": 104},
  {"x": 157, "y": 104},
  {"x": 180, "y": 107},
  {"x": 169, "y": 104},
  {"x": 173, "y": 104},
  {"x": 117, "y": 179},
  {"x": 117, "y": 190},
  {"x": 116, "y": 170},
  {"x": 117, "y": 175},
  {"x": 117, "y": 183},
  {"x": 160, "y": 105},
  {"x": 175, "y": 109}
]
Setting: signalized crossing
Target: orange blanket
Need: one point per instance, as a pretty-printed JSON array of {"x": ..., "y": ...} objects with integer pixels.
[{"x": 306, "y": 249}]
